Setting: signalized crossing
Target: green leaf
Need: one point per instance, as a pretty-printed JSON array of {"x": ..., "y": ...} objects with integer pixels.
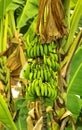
[
  {"x": 74, "y": 102},
  {"x": 30, "y": 10},
  {"x": 5, "y": 116},
  {"x": 12, "y": 6},
  {"x": 73, "y": 25},
  {"x": 76, "y": 61}
]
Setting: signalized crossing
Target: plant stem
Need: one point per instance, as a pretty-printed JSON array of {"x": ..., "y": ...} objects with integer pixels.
[
  {"x": 12, "y": 22},
  {"x": 44, "y": 114}
]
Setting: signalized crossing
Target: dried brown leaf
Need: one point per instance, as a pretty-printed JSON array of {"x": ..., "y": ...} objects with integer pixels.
[
  {"x": 15, "y": 61},
  {"x": 66, "y": 114},
  {"x": 30, "y": 123},
  {"x": 50, "y": 24},
  {"x": 38, "y": 125},
  {"x": 9, "y": 50},
  {"x": 1, "y": 87}
]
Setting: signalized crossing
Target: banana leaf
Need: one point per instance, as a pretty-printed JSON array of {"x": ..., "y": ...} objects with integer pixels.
[
  {"x": 30, "y": 10},
  {"x": 74, "y": 92},
  {"x": 5, "y": 116}
]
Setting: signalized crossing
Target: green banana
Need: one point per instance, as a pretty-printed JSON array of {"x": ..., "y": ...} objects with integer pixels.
[
  {"x": 38, "y": 74},
  {"x": 50, "y": 48},
  {"x": 41, "y": 50},
  {"x": 45, "y": 86},
  {"x": 35, "y": 74},
  {"x": 52, "y": 56},
  {"x": 48, "y": 92},
  {"x": 33, "y": 65},
  {"x": 38, "y": 91},
  {"x": 53, "y": 92},
  {"x": 45, "y": 59},
  {"x": 54, "y": 95},
  {"x": 48, "y": 74},
  {"x": 49, "y": 62},
  {"x": 35, "y": 50},
  {"x": 38, "y": 50},
  {"x": 42, "y": 90},
  {"x": 36, "y": 82},
  {"x": 37, "y": 88},
  {"x": 42, "y": 74},
  {"x": 32, "y": 88},
  {"x": 45, "y": 49},
  {"x": 31, "y": 76},
  {"x": 45, "y": 74}
]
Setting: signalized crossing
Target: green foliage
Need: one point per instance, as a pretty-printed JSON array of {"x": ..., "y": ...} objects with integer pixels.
[
  {"x": 73, "y": 25},
  {"x": 31, "y": 30},
  {"x": 5, "y": 115},
  {"x": 22, "y": 113},
  {"x": 74, "y": 102},
  {"x": 29, "y": 11}
]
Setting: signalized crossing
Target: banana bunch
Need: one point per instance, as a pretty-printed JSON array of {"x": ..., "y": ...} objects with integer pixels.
[
  {"x": 42, "y": 89},
  {"x": 38, "y": 50},
  {"x": 41, "y": 70}
]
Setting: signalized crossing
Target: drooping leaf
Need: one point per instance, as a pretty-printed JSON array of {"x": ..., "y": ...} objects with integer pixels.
[
  {"x": 5, "y": 116},
  {"x": 13, "y": 4},
  {"x": 29, "y": 11},
  {"x": 74, "y": 102}
]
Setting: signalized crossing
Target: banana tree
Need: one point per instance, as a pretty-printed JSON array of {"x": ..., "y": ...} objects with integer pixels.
[{"x": 49, "y": 55}]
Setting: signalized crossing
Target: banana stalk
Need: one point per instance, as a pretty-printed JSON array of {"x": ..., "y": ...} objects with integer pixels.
[{"x": 44, "y": 114}]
